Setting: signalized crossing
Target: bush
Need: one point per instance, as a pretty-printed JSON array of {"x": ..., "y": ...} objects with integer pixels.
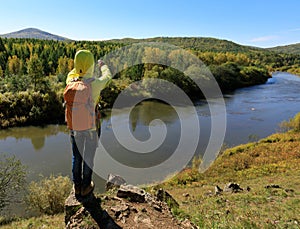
[
  {"x": 296, "y": 122},
  {"x": 12, "y": 179},
  {"x": 292, "y": 124},
  {"x": 48, "y": 195}
]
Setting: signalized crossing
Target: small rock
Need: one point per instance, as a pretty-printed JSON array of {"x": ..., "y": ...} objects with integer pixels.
[
  {"x": 272, "y": 186},
  {"x": 133, "y": 209},
  {"x": 105, "y": 198},
  {"x": 218, "y": 190},
  {"x": 232, "y": 187},
  {"x": 114, "y": 181},
  {"x": 143, "y": 219},
  {"x": 157, "y": 207},
  {"x": 123, "y": 220},
  {"x": 164, "y": 196},
  {"x": 120, "y": 210},
  {"x": 188, "y": 224},
  {"x": 209, "y": 193},
  {"x": 185, "y": 194}
]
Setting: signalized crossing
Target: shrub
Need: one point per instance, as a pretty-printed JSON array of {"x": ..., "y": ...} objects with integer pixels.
[
  {"x": 292, "y": 124},
  {"x": 196, "y": 162},
  {"x": 12, "y": 179},
  {"x": 296, "y": 122},
  {"x": 48, "y": 195}
]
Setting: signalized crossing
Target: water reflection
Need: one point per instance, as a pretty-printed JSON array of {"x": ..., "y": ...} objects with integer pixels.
[
  {"x": 145, "y": 112},
  {"x": 37, "y": 135},
  {"x": 141, "y": 117}
]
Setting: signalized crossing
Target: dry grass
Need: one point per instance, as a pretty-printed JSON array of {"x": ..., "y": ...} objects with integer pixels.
[
  {"x": 273, "y": 160},
  {"x": 45, "y": 221}
]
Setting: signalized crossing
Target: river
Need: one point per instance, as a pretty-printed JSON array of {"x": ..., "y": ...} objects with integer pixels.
[{"x": 252, "y": 113}]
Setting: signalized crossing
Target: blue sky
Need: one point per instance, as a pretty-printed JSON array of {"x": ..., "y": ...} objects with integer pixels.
[{"x": 262, "y": 23}]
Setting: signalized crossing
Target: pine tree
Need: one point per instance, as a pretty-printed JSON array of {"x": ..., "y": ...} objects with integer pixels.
[{"x": 3, "y": 55}]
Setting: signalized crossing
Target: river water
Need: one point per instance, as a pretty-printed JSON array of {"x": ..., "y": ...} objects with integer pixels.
[{"x": 252, "y": 113}]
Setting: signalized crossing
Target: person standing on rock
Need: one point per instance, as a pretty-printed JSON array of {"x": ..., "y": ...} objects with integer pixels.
[{"x": 81, "y": 96}]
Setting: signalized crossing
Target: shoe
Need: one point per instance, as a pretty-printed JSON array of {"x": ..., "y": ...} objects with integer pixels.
[
  {"x": 85, "y": 190},
  {"x": 77, "y": 189}
]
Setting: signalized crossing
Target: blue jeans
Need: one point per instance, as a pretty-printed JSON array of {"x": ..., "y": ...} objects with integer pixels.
[{"x": 84, "y": 144}]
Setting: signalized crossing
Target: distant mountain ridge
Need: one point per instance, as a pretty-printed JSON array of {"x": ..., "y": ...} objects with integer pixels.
[
  {"x": 292, "y": 49},
  {"x": 34, "y": 33},
  {"x": 193, "y": 43}
]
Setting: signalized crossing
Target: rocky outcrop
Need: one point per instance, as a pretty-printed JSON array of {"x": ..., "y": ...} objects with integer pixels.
[
  {"x": 114, "y": 181},
  {"x": 87, "y": 213},
  {"x": 133, "y": 193},
  {"x": 131, "y": 207}
]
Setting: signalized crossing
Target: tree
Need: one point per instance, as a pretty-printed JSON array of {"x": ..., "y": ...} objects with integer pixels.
[
  {"x": 12, "y": 179},
  {"x": 35, "y": 70},
  {"x": 14, "y": 65},
  {"x": 63, "y": 65},
  {"x": 1, "y": 72},
  {"x": 3, "y": 55}
]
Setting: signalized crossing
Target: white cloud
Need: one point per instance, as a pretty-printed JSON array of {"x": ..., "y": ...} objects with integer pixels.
[{"x": 265, "y": 38}]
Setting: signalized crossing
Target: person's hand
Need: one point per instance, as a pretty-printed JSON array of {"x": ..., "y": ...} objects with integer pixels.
[{"x": 100, "y": 63}]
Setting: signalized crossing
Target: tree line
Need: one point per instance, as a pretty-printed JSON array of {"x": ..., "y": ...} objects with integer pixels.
[{"x": 33, "y": 72}]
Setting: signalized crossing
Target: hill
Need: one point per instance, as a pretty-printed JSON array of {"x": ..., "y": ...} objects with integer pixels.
[
  {"x": 292, "y": 49},
  {"x": 195, "y": 43},
  {"x": 34, "y": 33}
]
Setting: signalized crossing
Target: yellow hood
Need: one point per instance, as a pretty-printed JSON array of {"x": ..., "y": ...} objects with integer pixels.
[{"x": 83, "y": 65}]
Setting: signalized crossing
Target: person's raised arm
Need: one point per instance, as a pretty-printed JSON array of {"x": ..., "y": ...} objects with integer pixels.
[{"x": 105, "y": 77}]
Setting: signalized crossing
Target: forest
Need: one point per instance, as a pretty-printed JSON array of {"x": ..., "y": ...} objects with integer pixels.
[{"x": 33, "y": 71}]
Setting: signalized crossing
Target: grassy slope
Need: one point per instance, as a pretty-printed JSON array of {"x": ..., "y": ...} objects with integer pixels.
[{"x": 273, "y": 160}]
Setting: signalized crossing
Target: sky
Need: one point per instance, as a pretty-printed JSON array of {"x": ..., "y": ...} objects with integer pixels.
[{"x": 260, "y": 23}]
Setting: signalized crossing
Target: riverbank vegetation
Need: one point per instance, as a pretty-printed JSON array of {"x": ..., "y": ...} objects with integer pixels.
[
  {"x": 267, "y": 172},
  {"x": 33, "y": 72}
]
